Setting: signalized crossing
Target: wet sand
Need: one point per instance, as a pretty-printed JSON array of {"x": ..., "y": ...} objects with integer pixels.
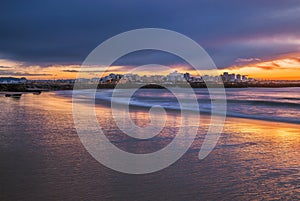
[{"x": 42, "y": 158}]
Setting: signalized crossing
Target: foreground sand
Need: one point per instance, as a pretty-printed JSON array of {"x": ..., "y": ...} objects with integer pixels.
[{"x": 42, "y": 157}]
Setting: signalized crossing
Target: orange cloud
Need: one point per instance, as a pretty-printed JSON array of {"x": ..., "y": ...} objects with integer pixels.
[{"x": 283, "y": 67}]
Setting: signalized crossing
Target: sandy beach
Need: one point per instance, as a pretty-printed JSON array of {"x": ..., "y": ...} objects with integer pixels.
[{"x": 42, "y": 157}]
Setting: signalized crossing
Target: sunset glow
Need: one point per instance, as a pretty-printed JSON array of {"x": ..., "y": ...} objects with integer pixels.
[
  {"x": 284, "y": 67},
  {"x": 150, "y": 100}
]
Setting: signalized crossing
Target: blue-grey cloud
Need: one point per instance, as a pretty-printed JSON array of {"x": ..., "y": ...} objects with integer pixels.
[
  {"x": 50, "y": 32},
  {"x": 1, "y": 67},
  {"x": 17, "y": 73}
]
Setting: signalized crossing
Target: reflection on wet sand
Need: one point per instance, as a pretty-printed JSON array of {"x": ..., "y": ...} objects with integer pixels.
[{"x": 42, "y": 157}]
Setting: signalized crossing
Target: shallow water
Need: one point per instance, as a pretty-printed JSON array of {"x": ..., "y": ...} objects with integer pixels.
[
  {"x": 272, "y": 104},
  {"x": 42, "y": 158}
]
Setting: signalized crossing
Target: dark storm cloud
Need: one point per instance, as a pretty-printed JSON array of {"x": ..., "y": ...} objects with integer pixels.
[
  {"x": 83, "y": 71},
  {"x": 50, "y": 32},
  {"x": 70, "y": 71},
  {"x": 4, "y": 67},
  {"x": 16, "y": 73},
  {"x": 145, "y": 57}
]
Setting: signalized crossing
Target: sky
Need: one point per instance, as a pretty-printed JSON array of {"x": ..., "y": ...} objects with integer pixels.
[{"x": 51, "y": 39}]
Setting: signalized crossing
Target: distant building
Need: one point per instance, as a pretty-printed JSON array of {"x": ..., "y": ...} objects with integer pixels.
[
  {"x": 232, "y": 77},
  {"x": 83, "y": 80},
  {"x": 12, "y": 80},
  {"x": 123, "y": 80},
  {"x": 112, "y": 76},
  {"x": 175, "y": 76},
  {"x": 95, "y": 80},
  {"x": 225, "y": 77},
  {"x": 238, "y": 77},
  {"x": 187, "y": 76}
]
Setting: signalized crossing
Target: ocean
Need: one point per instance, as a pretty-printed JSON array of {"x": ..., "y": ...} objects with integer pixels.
[
  {"x": 256, "y": 157},
  {"x": 272, "y": 104}
]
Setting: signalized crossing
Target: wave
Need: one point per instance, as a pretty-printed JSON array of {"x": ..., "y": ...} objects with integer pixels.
[
  {"x": 265, "y": 103},
  {"x": 229, "y": 101},
  {"x": 206, "y": 108},
  {"x": 270, "y": 109}
]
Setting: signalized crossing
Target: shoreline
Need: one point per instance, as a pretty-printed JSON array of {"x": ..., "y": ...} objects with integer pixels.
[
  {"x": 64, "y": 86},
  {"x": 208, "y": 115},
  {"x": 203, "y": 116},
  {"x": 101, "y": 102}
]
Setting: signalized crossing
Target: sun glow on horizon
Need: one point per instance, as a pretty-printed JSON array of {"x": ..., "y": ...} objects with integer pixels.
[{"x": 284, "y": 67}]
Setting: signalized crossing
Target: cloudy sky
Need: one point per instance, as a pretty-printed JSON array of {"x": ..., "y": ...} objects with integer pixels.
[{"x": 50, "y": 39}]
